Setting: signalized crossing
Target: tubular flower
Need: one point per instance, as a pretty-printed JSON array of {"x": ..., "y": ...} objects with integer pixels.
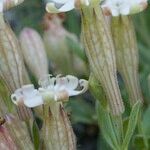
[
  {"x": 100, "y": 52},
  {"x": 32, "y": 44},
  {"x": 127, "y": 55},
  {"x": 123, "y": 7},
  {"x": 125, "y": 42},
  {"x": 56, "y": 131}
]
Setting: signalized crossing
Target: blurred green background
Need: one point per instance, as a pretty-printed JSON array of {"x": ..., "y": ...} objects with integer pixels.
[{"x": 82, "y": 109}]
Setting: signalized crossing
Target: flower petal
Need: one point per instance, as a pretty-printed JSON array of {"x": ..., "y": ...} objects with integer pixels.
[
  {"x": 51, "y": 7},
  {"x": 27, "y": 90},
  {"x": 115, "y": 12},
  {"x": 72, "y": 82},
  {"x": 34, "y": 101},
  {"x": 17, "y": 97},
  {"x": 125, "y": 10},
  {"x": 83, "y": 84}
]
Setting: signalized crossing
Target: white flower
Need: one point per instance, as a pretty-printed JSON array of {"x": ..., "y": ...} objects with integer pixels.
[
  {"x": 123, "y": 7},
  {"x": 56, "y": 6},
  {"x": 28, "y": 96},
  {"x": 59, "y": 87},
  {"x": 67, "y": 85}
]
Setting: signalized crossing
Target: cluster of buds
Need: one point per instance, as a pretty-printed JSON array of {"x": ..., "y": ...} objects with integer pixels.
[{"x": 56, "y": 131}]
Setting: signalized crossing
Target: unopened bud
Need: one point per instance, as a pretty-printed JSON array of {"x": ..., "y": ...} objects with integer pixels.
[
  {"x": 18, "y": 133},
  {"x": 34, "y": 52},
  {"x": 6, "y": 140},
  {"x": 11, "y": 66}
]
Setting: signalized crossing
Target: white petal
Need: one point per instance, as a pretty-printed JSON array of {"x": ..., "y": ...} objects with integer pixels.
[
  {"x": 14, "y": 99},
  {"x": 68, "y": 84},
  {"x": 60, "y": 83},
  {"x": 27, "y": 89},
  {"x": 125, "y": 10},
  {"x": 138, "y": 6},
  {"x": 51, "y": 8},
  {"x": 67, "y": 6},
  {"x": 85, "y": 2},
  {"x": 83, "y": 84},
  {"x": 34, "y": 101},
  {"x": 115, "y": 12},
  {"x": 72, "y": 82},
  {"x": 60, "y": 1},
  {"x": 47, "y": 82},
  {"x": 17, "y": 96}
]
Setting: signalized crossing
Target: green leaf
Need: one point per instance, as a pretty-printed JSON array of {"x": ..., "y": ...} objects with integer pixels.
[
  {"x": 146, "y": 122},
  {"x": 106, "y": 126},
  {"x": 131, "y": 125},
  {"x": 125, "y": 125}
]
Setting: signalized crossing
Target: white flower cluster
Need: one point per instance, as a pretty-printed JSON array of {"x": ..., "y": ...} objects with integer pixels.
[
  {"x": 59, "y": 87},
  {"x": 123, "y": 7},
  {"x": 112, "y": 7}
]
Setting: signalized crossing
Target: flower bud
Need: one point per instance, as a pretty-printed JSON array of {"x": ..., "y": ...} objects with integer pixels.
[
  {"x": 127, "y": 55},
  {"x": 3, "y": 108},
  {"x": 56, "y": 40},
  {"x": 6, "y": 140},
  {"x": 11, "y": 62},
  {"x": 11, "y": 66},
  {"x": 11, "y": 3},
  {"x": 101, "y": 55},
  {"x": 34, "y": 52},
  {"x": 16, "y": 133}
]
